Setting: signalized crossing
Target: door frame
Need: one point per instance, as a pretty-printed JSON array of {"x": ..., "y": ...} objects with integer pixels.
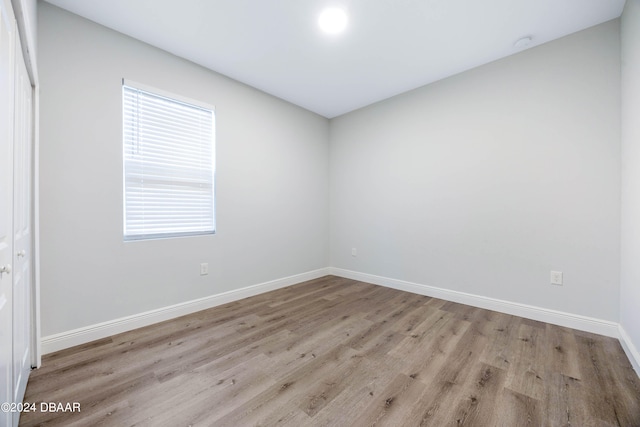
[{"x": 25, "y": 12}]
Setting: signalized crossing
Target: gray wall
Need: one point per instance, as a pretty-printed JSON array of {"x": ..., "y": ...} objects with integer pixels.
[
  {"x": 479, "y": 183},
  {"x": 272, "y": 182},
  {"x": 630, "y": 280},
  {"x": 484, "y": 182}
]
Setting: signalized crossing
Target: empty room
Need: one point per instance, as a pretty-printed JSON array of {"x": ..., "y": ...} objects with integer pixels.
[{"x": 320, "y": 213}]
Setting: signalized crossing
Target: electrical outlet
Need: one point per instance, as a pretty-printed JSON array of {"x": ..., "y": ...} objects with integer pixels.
[
  {"x": 556, "y": 278},
  {"x": 204, "y": 268},
  {"x": 354, "y": 252}
]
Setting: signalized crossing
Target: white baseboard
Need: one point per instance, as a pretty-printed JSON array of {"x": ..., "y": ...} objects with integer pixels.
[
  {"x": 574, "y": 321},
  {"x": 632, "y": 352},
  {"x": 86, "y": 334}
]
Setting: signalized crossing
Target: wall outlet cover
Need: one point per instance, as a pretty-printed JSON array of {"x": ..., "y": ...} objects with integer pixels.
[
  {"x": 556, "y": 277},
  {"x": 204, "y": 268}
]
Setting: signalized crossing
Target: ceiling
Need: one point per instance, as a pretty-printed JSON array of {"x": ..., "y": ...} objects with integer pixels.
[{"x": 389, "y": 46}]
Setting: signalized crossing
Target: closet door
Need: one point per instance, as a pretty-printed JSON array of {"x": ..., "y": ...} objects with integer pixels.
[
  {"x": 22, "y": 220},
  {"x": 7, "y": 66}
]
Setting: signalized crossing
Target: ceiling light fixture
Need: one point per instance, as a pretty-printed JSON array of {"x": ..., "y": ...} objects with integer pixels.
[
  {"x": 333, "y": 20},
  {"x": 523, "y": 42}
]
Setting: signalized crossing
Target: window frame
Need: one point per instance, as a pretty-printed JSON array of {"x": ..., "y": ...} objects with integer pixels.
[{"x": 179, "y": 99}]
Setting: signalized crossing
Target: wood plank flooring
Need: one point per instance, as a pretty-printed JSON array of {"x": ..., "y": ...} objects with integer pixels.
[{"x": 336, "y": 352}]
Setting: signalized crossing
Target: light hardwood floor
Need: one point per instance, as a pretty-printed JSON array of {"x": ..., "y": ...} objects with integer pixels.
[{"x": 334, "y": 351}]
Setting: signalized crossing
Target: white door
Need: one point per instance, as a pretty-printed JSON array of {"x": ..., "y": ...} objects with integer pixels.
[
  {"x": 22, "y": 208},
  {"x": 7, "y": 45}
]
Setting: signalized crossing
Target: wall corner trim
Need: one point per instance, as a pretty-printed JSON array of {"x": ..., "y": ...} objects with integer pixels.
[
  {"x": 569, "y": 320},
  {"x": 89, "y": 333},
  {"x": 632, "y": 352}
]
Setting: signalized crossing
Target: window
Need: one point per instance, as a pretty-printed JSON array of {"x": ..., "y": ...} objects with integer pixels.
[{"x": 169, "y": 163}]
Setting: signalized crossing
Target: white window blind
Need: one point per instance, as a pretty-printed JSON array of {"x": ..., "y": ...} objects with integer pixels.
[{"x": 168, "y": 166}]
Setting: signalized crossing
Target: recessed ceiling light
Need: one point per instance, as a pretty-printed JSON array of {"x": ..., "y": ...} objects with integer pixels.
[
  {"x": 523, "y": 42},
  {"x": 333, "y": 20}
]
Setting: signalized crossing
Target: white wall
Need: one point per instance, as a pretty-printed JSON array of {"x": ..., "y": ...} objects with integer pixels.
[
  {"x": 272, "y": 182},
  {"x": 484, "y": 182},
  {"x": 630, "y": 276}
]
